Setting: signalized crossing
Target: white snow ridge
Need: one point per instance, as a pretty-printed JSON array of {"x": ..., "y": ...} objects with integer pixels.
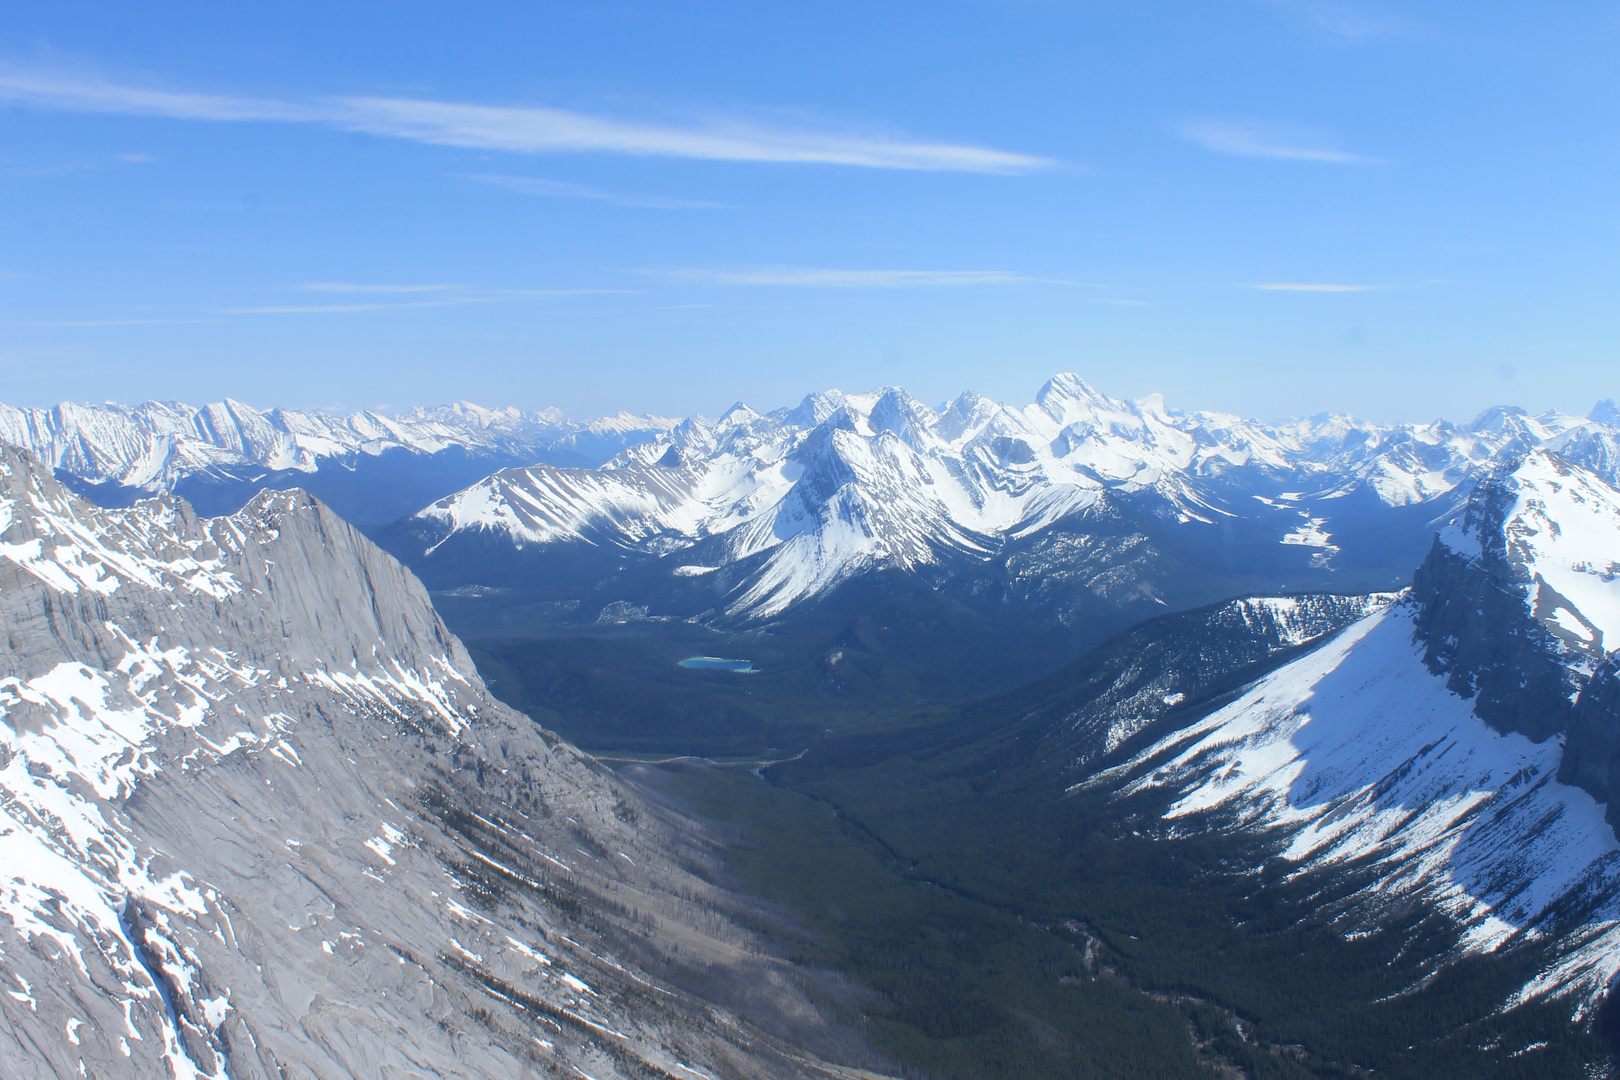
[
  {"x": 153, "y": 446},
  {"x": 844, "y": 483}
]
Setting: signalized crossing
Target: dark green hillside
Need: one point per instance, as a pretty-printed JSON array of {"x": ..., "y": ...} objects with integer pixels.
[{"x": 1011, "y": 926}]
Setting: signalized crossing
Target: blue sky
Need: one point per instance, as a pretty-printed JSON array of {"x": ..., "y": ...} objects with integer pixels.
[{"x": 1271, "y": 207}]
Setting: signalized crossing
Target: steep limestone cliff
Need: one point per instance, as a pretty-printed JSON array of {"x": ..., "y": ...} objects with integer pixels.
[{"x": 260, "y": 818}]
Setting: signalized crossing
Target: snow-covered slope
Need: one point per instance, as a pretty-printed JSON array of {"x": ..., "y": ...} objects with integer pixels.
[
  {"x": 159, "y": 446},
  {"x": 260, "y": 818},
  {"x": 1557, "y": 527},
  {"x": 842, "y": 484},
  {"x": 1357, "y": 752},
  {"x": 1459, "y": 742}
]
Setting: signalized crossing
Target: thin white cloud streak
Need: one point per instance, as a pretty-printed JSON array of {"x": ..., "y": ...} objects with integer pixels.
[
  {"x": 1254, "y": 139},
  {"x": 116, "y": 322},
  {"x": 1312, "y": 287},
  {"x": 817, "y": 278},
  {"x": 349, "y": 287},
  {"x": 558, "y": 189},
  {"x": 98, "y": 96},
  {"x": 569, "y": 292},
  {"x": 520, "y": 129},
  {"x": 345, "y": 309}
]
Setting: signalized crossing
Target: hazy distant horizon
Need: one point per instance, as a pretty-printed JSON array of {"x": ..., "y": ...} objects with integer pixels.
[{"x": 395, "y": 408}]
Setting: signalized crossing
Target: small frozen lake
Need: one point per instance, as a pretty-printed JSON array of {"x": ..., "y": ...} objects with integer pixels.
[{"x": 716, "y": 663}]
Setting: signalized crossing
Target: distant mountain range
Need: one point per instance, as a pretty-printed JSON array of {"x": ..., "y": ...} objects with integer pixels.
[
  {"x": 806, "y": 498},
  {"x": 370, "y": 466},
  {"x": 1030, "y": 532},
  {"x": 1063, "y": 520}
]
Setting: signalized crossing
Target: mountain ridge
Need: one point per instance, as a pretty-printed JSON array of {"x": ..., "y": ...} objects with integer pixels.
[
  {"x": 220, "y": 454},
  {"x": 801, "y": 500},
  {"x": 259, "y": 817}
]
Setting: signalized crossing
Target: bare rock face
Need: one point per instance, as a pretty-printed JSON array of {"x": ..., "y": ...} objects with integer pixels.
[
  {"x": 1480, "y": 635},
  {"x": 1526, "y": 631},
  {"x": 1592, "y": 750},
  {"x": 260, "y": 818}
]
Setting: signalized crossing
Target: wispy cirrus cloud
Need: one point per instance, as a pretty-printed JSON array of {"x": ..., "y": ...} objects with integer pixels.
[
  {"x": 347, "y": 309},
  {"x": 558, "y": 189},
  {"x": 1314, "y": 287},
  {"x": 825, "y": 278},
  {"x": 1260, "y": 139},
  {"x": 115, "y": 322},
  {"x": 520, "y": 129},
  {"x": 352, "y": 287}
]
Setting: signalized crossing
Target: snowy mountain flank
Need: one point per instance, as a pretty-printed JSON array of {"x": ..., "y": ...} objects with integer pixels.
[
  {"x": 1458, "y": 746},
  {"x": 259, "y": 817},
  {"x": 744, "y": 518},
  {"x": 221, "y": 454}
]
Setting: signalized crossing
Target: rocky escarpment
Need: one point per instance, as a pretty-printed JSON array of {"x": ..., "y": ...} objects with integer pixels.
[
  {"x": 1592, "y": 747},
  {"x": 260, "y": 818},
  {"x": 1479, "y": 632},
  {"x": 1514, "y": 606}
]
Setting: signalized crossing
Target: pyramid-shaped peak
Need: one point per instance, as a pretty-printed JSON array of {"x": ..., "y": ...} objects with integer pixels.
[
  {"x": 1067, "y": 386},
  {"x": 1605, "y": 412},
  {"x": 895, "y": 397},
  {"x": 1496, "y": 417},
  {"x": 967, "y": 413},
  {"x": 899, "y": 412},
  {"x": 815, "y": 408}
]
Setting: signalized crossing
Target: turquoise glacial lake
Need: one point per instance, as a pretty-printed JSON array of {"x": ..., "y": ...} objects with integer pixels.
[{"x": 715, "y": 663}]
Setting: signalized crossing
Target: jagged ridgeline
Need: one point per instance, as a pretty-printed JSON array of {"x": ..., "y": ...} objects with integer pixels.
[
  {"x": 370, "y": 467},
  {"x": 260, "y": 818},
  {"x": 1006, "y": 539}
]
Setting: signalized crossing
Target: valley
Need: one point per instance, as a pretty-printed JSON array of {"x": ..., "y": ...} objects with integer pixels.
[
  {"x": 839, "y": 541},
  {"x": 1182, "y": 780}
]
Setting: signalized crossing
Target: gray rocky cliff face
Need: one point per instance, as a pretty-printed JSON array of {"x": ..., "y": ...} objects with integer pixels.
[
  {"x": 1591, "y": 758},
  {"x": 260, "y": 818},
  {"x": 1482, "y": 615},
  {"x": 1478, "y": 632}
]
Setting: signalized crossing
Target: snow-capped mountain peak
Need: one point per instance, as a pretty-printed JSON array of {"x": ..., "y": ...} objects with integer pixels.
[
  {"x": 844, "y": 483},
  {"x": 155, "y": 445},
  {"x": 1554, "y": 528}
]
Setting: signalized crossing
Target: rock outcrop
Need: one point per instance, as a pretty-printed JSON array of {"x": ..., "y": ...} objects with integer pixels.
[
  {"x": 1515, "y": 606},
  {"x": 1591, "y": 757}
]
